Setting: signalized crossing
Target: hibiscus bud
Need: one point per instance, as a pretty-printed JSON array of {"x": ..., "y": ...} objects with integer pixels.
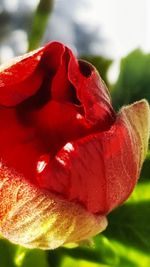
[{"x": 67, "y": 159}]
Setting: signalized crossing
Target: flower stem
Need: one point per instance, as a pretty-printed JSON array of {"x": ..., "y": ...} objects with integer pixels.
[{"x": 40, "y": 20}]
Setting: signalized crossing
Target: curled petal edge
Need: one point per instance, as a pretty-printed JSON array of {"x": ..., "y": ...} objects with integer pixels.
[{"x": 138, "y": 115}]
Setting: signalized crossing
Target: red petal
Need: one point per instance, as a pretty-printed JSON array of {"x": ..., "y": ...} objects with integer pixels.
[
  {"x": 16, "y": 79},
  {"x": 23, "y": 76},
  {"x": 92, "y": 92},
  {"x": 98, "y": 167},
  {"x": 60, "y": 90},
  {"x": 79, "y": 83},
  {"x": 36, "y": 133},
  {"x": 100, "y": 170},
  {"x": 36, "y": 218}
]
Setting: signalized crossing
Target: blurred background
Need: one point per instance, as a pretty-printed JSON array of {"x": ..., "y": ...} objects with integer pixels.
[
  {"x": 96, "y": 27},
  {"x": 114, "y": 36}
]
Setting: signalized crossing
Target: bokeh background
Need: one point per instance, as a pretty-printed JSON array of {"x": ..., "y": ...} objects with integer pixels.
[{"x": 114, "y": 35}]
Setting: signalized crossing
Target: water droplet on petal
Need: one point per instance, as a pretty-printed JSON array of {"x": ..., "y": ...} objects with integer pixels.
[{"x": 42, "y": 163}]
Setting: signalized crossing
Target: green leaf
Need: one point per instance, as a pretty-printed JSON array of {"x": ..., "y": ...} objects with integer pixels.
[
  {"x": 145, "y": 173},
  {"x": 35, "y": 257},
  {"x": 134, "y": 79},
  {"x": 70, "y": 262},
  {"x": 40, "y": 20},
  {"x": 101, "y": 252},
  {"x": 129, "y": 256},
  {"x": 7, "y": 252},
  {"x": 55, "y": 257},
  {"x": 16, "y": 256},
  {"x": 129, "y": 227}
]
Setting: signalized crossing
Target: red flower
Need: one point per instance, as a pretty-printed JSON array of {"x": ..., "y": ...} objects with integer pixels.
[{"x": 66, "y": 158}]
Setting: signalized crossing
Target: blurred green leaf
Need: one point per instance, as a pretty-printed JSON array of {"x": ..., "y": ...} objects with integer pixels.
[
  {"x": 55, "y": 257},
  {"x": 130, "y": 225},
  {"x": 102, "y": 252},
  {"x": 101, "y": 64},
  {"x": 7, "y": 252},
  {"x": 35, "y": 257},
  {"x": 16, "y": 256},
  {"x": 145, "y": 173},
  {"x": 19, "y": 255},
  {"x": 40, "y": 20},
  {"x": 70, "y": 262},
  {"x": 129, "y": 228},
  {"x": 134, "y": 79},
  {"x": 129, "y": 256}
]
